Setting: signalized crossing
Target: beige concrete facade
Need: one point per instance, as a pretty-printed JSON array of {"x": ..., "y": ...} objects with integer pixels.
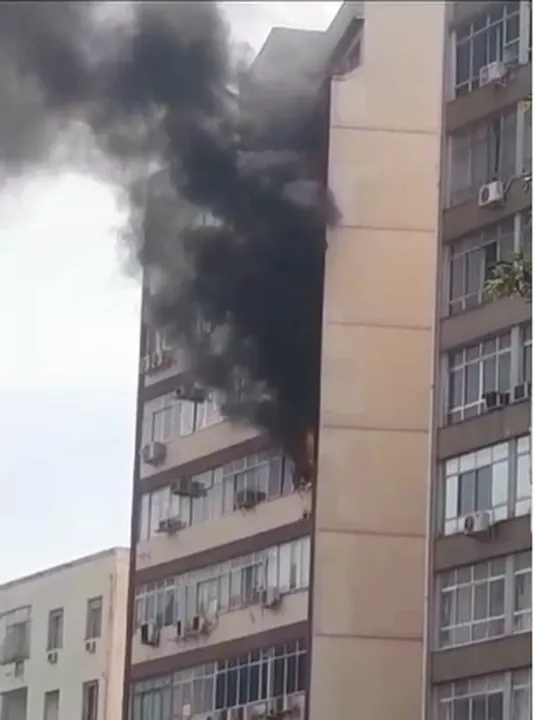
[{"x": 370, "y": 520}]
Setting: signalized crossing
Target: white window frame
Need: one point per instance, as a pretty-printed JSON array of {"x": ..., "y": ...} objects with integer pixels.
[
  {"x": 471, "y": 84},
  {"x": 497, "y": 570},
  {"x": 284, "y": 567},
  {"x": 477, "y": 408},
  {"x": 21, "y": 618},
  {"x": 56, "y": 629},
  {"x": 219, "y": 498},
  {"x": 166, "y": 696},
  {"x": 479, "y": 686},
  {"x": 464, "y": 248},
  {"x": 509, "y": 452},
  {"x": 457, "y": 193}
]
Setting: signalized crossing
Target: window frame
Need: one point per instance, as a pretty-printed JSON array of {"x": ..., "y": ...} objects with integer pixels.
[
  {"x": 183, "y": 593},
  {"x": 501, "y": 234},
  {"x": 206, "y": 688},
  {"x": 21, "y": 618},
  {"x": 486, "y": 575},
  {"x": 467, "y": 33},
  {"x": 219, "y": 498},
  {"x": 55, "y": 629},
  {"x": 450, "y": 470},
  {"x": 48, "y": 696},
  {"x": 505, "y": 683},
  {"x": 451, "y": 415},
  {"x": 90, "y": 689},
  {"x": 94, "y": 617}
]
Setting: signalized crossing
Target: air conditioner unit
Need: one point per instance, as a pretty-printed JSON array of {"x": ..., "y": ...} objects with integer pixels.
[
  {"x": 477, "y": 522},
  {"x": 491, "y": 194},
  {"x": 493, "y": 72},
  {"x": 247, "y": 499},
  {"x": 90, "y": 646},
  {"x": 52, "y": 657},
  {"x": 171, "y": 525},
  {"x": 198, "y": 625},
  {"x": 188, "y": 487},
  {"x": 496, "y": 400},
  {"x": 522, "y": 391},
  {"x": 191, "y": 393},
  {"x": 154, "y": 453},
  {"x": 150, "y": 634},
  {"x": 270, "y": 598}
]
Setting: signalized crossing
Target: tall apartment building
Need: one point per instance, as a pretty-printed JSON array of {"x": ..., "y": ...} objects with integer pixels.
[
  {"x": 479, "y": 643},
  {"x": 62, "y": 640},
  {"x": 400, "y": 586}
]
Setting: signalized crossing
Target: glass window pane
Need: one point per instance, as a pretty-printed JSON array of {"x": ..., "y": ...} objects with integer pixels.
[
  {"x": 495, "y": 707},
  {"x": 456, "y": 389},
  {"x": 497, "y": 597},
  {"x": 500, "y": 484},
  {"x": 489, "y": 374},
  {"x": 523, "y": 592},
  {"x": 481, "y": 601},
  {"x": 523, "y": 489},
  {"x": 451, "y": 497},
  {"x": 483, "y": 488},
  {"x": 463, "y": 604},
  {"x": 462, "y": 62},
  {"x": 472, "y": 392},
  {"x": 504, "y": 372},
  {"x": 466, "y": 483}
]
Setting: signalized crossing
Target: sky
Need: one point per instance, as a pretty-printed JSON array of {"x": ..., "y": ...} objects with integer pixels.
[{"x": 68, "y": 352}]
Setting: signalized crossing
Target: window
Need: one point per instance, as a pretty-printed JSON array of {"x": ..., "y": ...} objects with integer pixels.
[
  {"x": 352, "y": 57},
  {"x": 521, "y": 695},
  {"x": 471, "y": 259},
  {"x": 90, "y": 700},
  {"x": 93, "y": 623},
  {"x": 526, "y": 353},
  {"x": 233, "y": 683},
  {"x": 476, "y": 370},
  {"x": 15, "y": 635},
  {"x": 523, "y": 592},
  {"x": 51, "y": 705},
  {"x": 486, "y": 600},
  {"x": 55, "y": 629},
  {"x": 495, "y": 478},
  {"x": 166, "y": 417},
  {"x": 523, "y": 485},
  {"x": 224, "y": 587},
  {"x": 481, "y": 154},
  {"x": 493, "y": 697},
  {"x": 527, "y": 140},
  {"x": 476, "y": 481},
  {"x": 268, "y": 473},
  {"x": 525, "y": 244},
  {"x": 156, "y": 341},
  {"x": 475, "y": 699},
  {"x": 472, "y": 603},
  {"x": 492, "y": 36}
]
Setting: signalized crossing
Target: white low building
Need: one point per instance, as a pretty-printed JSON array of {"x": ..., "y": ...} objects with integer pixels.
[{"x": 62, "y": 640}]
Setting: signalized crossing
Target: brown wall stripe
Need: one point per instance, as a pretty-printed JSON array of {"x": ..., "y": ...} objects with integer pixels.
[{"x": 214, "y": 555}]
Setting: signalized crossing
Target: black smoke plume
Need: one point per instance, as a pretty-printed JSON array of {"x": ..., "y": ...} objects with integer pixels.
[{"x": 228, "y": 204}]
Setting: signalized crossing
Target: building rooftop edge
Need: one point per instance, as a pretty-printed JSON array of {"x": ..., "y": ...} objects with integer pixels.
[{"x": 85, "y": 559}]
